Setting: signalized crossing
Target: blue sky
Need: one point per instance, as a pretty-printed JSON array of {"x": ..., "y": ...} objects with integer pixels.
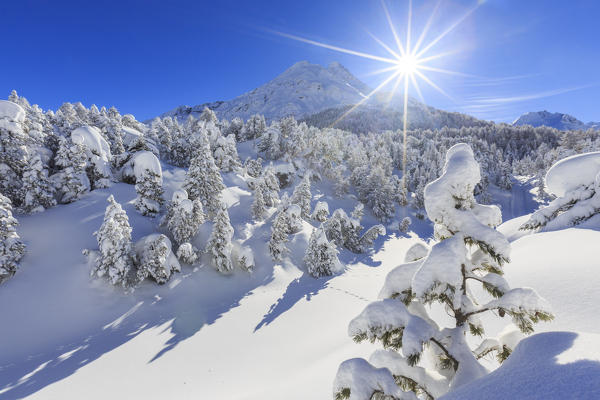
[{"x": 146, "y": 57}]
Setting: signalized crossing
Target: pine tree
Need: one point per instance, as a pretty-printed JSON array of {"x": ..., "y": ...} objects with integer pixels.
[
  {"x": 469, "y": 252},
  {"x": 226, "y": 156},
  {"x": 271, "y": 191},
  {"x": 219, "y": 244},
  {"x": 156, "y": 259},
  {"x": 259, "y": 206},
  {"x": 279, "y": 236},
  {"x": 203, "y": 181},
  {"x": 37, "y": 189},
  {"x": 71, "y": 181},
  {"x": 254, "y": 128},
  {"x": 149, "y": 193},
  {"x": 184, "y": 217},
  {"x": 321, "y": 255},
  {"x": 12, "y": 248},
  {"x": 302, "y": 196},
  {"x": 115, "y": 260}
]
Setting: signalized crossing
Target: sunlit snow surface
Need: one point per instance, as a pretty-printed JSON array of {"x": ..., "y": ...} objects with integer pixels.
[{"x": 276, "y": 333}]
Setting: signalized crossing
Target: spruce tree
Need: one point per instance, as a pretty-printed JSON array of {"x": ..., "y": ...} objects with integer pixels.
[
  {"x": 302, "y": 196},
  {"x": 37, "y": 189},
  {"x": 203, "y": 181},
  {"x": 187, "y": 253},
  {"x": 149, "y": 193},
  {"x": 115, "y": 260},
  {"x": 71, "y": 181},
  {"x": 12, "y": 248},
  {"x": 184, "y": 217},
  {"x": 219, "y": 244},
  {"x": 259, "y": 206},
  {"x": 469, "y": 252},
  {"x": 321, "y": 255}
]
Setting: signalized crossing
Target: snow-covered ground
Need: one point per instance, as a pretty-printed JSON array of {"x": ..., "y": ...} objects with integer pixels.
[{"x": 275, "y": 333}]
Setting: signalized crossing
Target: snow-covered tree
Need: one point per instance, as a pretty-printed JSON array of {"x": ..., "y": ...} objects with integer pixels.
[
  {"x": 270, "y": 143},
  {"x": 302, "y": 196},
  {"x": 321, "y": 255},
  {"x": 37, "y": 189},
  {"x": 155, "y": 258},
  {"x": 235, "y": 128},
  {"x": 245, "y": 259},
  {"x": 469, "y": 252},
  {"x": 321, "y": 211},
  {"x": 208, "y": 115},
  {"x": 203, "y": 181},
  {"x": 253, "y": 167},
  {"x": 271, "y": 191},
  {"x": 259, "y": 206},
  {"x": 575, "y": 181},
  {"x": 149, "y": 193},
  {"x": 219, "y": 244},
  {"x": 346, "y": 231},
  {"x": 184, "y": 217},
  {"x": 115, "y": 259},
  {"x": 286, "y": 221},
  {"x": 404, "y": 224},
  {"x": 225, "y": 153},
  {"x": 187, "y": 253},
  {"x": 12, "y": 248},
  {"x": 254, "y": 127}
]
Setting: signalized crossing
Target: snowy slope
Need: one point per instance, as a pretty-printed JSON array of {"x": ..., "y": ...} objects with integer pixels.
[
  {"x": 302, "y": 89},
  {"x": 559, "y": 121},
  {"x": 276, "y": 333}
]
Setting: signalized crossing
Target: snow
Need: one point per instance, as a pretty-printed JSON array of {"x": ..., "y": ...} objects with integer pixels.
[
  {"x": 545, "y": 366},
  {"x": 130, "y": 135},
  {"x": 571, "y": 172},
  {"x": 416, "y": 252},
  {"x": 363, "y": 380},
  {"x": 143, "y": 161},
  {"x": 11, "y": 111},
  {"x": 91, "y": 137}
]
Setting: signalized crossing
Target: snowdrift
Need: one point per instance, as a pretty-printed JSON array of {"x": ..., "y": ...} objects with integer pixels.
[{"x": 546, "y": 366}]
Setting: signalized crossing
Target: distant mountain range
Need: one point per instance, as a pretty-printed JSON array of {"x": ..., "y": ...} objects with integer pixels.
[
  {"x": 320, "y": 95},
  {"x": 563, "y": 122}
]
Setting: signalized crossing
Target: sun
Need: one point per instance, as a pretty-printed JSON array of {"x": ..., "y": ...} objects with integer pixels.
[{"x": 407, "y": 65}]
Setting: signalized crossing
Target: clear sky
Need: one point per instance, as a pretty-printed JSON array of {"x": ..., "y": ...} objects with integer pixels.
[{"x": 146, "y": 57}]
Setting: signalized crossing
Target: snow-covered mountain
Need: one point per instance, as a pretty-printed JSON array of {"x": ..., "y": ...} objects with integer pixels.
[
  {"x": 560, "y": 121},
  {"x": 301, "y": 90}
]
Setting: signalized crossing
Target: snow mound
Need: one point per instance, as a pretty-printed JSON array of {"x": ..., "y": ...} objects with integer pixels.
[
  {"x": 140, "y": 162},
  {"x": 11, "y": 111},
  {"x": 130, "y": 135},
  {"x": 362, "y": 379},
  {"x": 91, "y": 137},
  {"x": 552, "y": 365},
  {"x": 572, "y": 172}
]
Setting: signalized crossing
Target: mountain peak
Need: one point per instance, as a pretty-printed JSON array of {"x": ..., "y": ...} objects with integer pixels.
[
  {"x": 556, "y": 120},
  {"x": 302, "y": 89}
]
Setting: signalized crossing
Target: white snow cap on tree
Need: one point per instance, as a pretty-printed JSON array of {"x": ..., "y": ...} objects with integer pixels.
[
  {"x": 416, "y": 252},
  {"x": 11, "y": 111},
  {"x": 187, "y": 253},
  {"x": 91, "y": 137},
  {"x": 155, "y": 258},
  {"x": 321, "y": 211},
  {"x": 469, "y": 252}
]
